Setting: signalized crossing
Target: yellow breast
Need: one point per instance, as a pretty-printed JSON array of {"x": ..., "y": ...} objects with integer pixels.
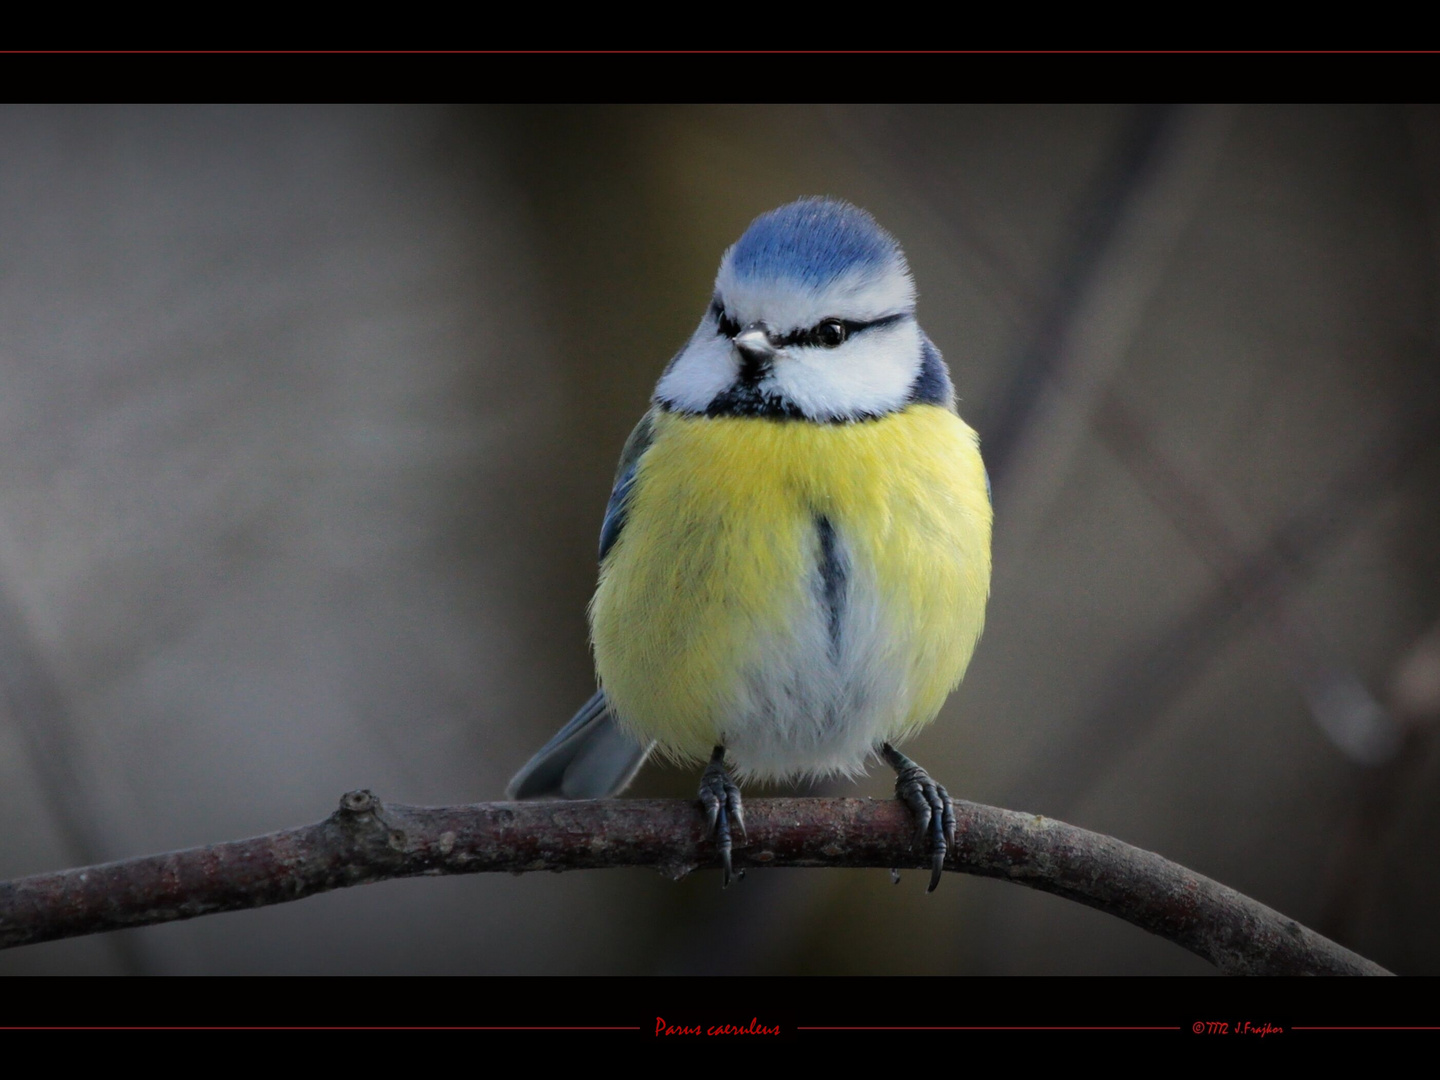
[{"x": 713, "y": 622}]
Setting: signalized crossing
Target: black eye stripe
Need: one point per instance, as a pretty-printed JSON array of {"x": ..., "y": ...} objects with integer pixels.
[{"x": 811, "y": 335}]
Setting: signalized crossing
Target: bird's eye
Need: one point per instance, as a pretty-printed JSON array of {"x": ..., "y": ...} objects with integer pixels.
[{"x": 830, "y": 333}]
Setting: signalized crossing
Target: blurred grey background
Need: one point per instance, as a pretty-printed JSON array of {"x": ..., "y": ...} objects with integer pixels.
[{"x": 308, "y": 418}]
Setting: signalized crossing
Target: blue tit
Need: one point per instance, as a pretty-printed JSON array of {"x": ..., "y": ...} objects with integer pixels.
[{"x": 795, "y": 559}]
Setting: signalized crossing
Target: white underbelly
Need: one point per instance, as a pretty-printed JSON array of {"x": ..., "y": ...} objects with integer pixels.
[{"x": 826, "y": 686}]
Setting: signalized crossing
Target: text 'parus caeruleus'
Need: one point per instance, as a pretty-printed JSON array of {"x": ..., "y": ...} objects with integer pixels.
[{"x": 795, "y": 559}]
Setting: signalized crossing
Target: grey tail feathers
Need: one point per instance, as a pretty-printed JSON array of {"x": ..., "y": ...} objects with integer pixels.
[{"x": 589, "y": 758}]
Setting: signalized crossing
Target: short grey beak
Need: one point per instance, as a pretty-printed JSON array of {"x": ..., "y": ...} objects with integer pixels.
[{"x": 754, "y": 345}]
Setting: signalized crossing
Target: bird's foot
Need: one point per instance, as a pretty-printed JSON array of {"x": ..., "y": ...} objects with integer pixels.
[
  {"x": 930, "y": 803},
  {"x": 720, "y": 798}
]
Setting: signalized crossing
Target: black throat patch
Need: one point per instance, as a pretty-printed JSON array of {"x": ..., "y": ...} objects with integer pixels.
[{"x": 746, "y": 399}]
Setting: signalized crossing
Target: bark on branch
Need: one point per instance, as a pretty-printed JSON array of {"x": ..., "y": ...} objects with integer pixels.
[{"x": 364, "y": 841}]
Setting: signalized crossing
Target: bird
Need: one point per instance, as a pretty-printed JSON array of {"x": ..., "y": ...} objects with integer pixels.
[{"x": 795, "y": 557}]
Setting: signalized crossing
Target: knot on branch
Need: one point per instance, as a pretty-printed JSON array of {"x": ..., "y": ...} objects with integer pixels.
[
  {"x": 356, "y": 803},
  {"x": 361, "y": 816}
]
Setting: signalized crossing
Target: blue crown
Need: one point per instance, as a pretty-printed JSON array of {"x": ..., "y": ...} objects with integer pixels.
[{"x": 813, "y": 242}]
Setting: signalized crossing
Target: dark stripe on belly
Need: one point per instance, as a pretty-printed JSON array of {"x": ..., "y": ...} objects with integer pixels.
[{"x": 832, "y": 582}]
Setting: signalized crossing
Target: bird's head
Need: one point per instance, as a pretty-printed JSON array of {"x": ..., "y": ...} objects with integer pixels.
[{"x": 813, "y": 317}]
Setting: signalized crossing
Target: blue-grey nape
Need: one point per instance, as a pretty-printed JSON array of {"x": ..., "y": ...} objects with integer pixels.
[
  {"x": 813, "y": 242},
  {"x": 932, "y": 386}
]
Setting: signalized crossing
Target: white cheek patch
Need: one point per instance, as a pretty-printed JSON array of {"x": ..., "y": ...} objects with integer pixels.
[
  {"x": 861, "y": 296},
  {"x": 705, "y": 369},
  {"x": 871, "y": 373}
]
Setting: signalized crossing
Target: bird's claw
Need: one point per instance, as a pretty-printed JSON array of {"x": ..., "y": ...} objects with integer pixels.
[
  {"x": 932, "y": 806},
  {"x": 720, "y": 798}
]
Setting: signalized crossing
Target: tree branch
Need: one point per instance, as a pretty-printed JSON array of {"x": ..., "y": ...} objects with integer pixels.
[{"x": 364, "y": 841}]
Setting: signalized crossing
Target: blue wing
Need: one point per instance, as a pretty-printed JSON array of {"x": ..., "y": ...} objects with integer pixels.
[
  {"x": 615, "y": 511},
  {"x": 619, "y": 504}
]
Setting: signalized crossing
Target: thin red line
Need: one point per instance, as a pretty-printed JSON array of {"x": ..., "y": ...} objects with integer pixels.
[
  {"x": 718, "y": 52},
  {"x": 306, "y": 1027},
  {"x": 1038, "y": 1027},
  {"x": 1358, "y": 1027}
]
